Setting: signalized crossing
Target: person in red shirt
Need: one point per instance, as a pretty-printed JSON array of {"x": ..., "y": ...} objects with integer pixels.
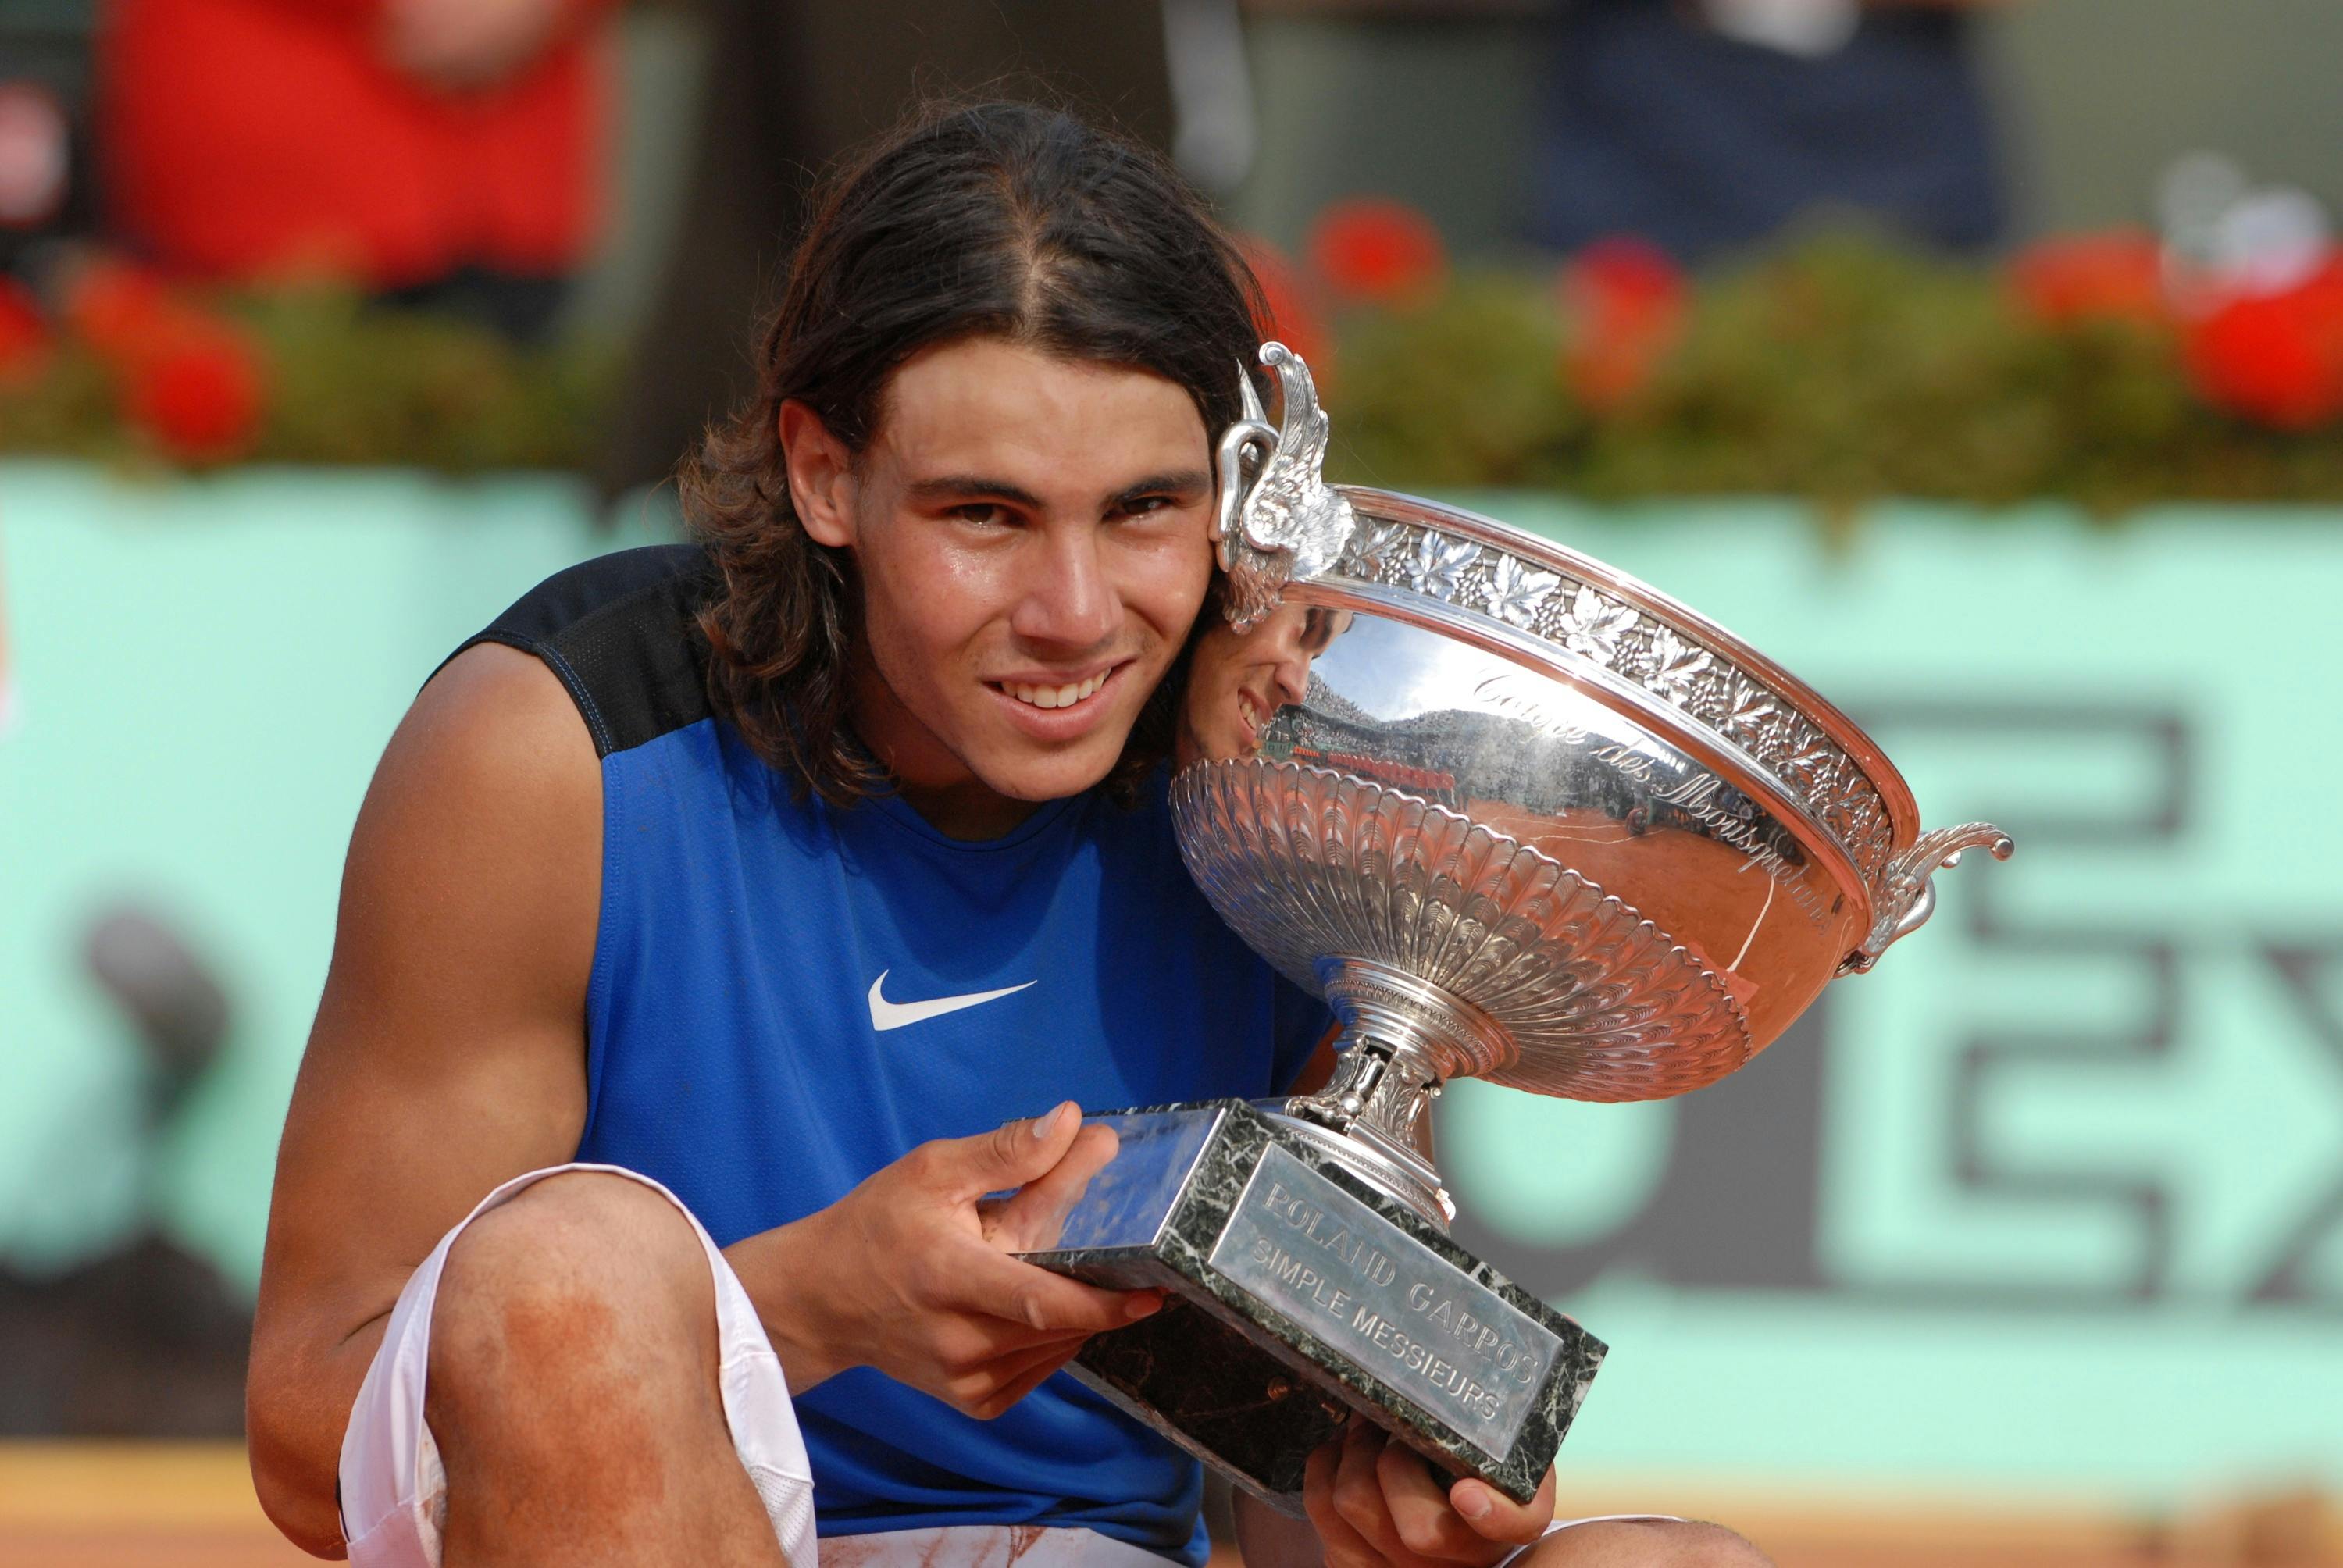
[{"x": 445, "y": 152}]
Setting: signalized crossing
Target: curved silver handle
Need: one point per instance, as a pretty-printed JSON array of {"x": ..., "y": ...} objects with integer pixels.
[
  {"x": 1905, "y": 896},
  {"x": 1289, "y": 524},
  {"x": 1248, "y": 439}
]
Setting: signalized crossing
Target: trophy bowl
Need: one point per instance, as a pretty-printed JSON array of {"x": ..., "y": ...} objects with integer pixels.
[{"x": 1516, "y": 816}]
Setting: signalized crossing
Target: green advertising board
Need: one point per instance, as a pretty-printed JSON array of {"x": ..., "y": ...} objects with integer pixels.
[{"x": 2050, "y": 1203}]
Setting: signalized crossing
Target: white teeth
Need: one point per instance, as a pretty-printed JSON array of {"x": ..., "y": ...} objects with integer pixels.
[{"x": 1054, "y": 696}]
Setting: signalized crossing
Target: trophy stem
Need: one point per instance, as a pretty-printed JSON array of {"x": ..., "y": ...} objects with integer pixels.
[{"x": 1402, "y": 1038}]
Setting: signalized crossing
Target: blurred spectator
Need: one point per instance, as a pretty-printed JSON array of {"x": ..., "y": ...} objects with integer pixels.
[
  {"x": 793, "y": 84},
  {"x": 44, "y": 85},
  {"x": 1704, "y": 126},
  {"x": 445, "y": 153}
]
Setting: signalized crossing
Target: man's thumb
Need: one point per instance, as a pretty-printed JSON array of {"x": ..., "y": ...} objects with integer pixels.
[{"x": 1016, "y": 1152}]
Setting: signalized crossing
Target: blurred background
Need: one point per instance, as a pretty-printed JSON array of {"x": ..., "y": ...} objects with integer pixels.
[{"x": 1983, "y": 363}]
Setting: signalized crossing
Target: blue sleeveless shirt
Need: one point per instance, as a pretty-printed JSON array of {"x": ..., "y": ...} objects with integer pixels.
[{"x": 753, "y": 1040}]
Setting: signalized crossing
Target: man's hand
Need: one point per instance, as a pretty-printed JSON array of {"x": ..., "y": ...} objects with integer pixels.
[
  {"x": 1374, "y": 1502},
  {"x": 911, "y": 1273},
  {"x": 465, "y": 46}
]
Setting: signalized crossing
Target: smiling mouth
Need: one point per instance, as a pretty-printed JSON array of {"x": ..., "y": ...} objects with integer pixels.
[
  {"x": 1248, "y": 715},
  {"x": 1053, "y": 697}
]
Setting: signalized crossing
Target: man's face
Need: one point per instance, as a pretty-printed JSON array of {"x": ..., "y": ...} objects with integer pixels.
[
  {"x": 1030, "y": 535},
  {"x": 1238, "y": 681}
]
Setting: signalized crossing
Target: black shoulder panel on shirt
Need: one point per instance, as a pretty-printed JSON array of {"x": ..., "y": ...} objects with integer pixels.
[{"x": 620, "y": 632}]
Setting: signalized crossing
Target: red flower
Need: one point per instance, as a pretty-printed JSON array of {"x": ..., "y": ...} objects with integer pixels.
[
  {"x": 2276, "y": 358},
  {"x": 123, "y": 311},
  {"x": 1625, "y": 301},
  {"x": 194, "y": 383},
  {"x": 23, "y": 332},
  {"x": 2117, "y": 275},
  {"x": 199, "y": 393},
  {"x": 1290, "y": 319},
  {"x": 1374, "y": 251}
]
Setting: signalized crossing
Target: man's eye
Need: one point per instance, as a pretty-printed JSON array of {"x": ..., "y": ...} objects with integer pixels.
[
  {"x": 985, "y": 512},
  {"x": 1146, "y": 505}
]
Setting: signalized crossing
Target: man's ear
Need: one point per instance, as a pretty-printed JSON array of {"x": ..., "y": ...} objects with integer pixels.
[{"x": 822, "y": 476}]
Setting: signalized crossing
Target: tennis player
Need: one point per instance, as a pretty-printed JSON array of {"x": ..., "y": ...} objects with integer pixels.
[{"x": 731, "y": 924}]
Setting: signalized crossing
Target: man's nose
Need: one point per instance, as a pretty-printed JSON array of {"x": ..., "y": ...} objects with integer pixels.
[
  {"x": 1068, "y": 598},
  {"x": 1291, "y": 675}
]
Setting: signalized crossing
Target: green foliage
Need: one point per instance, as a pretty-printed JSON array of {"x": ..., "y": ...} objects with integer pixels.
[
  {"x": 349, "y": 384},
  {"x": 1842, "y": 370},
  {"x": 1463, "y": 393},
  {"x": 359, "y": 386}
]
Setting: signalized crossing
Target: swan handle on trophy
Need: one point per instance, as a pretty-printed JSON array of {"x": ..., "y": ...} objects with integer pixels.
[
  {"x": 1907, "y": 897},
  {"x": 1289, "y": 523}
]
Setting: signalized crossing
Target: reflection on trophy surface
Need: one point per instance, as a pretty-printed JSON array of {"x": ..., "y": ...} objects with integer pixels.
[
  {"x": 1237, "y": 681},
  {"x": 1516, "y": 816}
]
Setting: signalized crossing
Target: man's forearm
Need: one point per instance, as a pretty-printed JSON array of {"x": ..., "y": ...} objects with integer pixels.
[
  {"x": 296, "y": 1407},
  {"x": 782, "y": 1271}
]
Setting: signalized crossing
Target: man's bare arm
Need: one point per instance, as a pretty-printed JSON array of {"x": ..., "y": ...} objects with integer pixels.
[{"x": 448, "y": 1052}]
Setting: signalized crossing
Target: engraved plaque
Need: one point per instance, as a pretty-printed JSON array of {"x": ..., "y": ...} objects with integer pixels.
[
  {"x": 1385, "y": 1302},
  {"x": 1298, "y": 1303}
]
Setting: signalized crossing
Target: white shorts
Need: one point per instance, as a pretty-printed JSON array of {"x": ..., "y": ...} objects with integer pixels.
[
  {"x": 394, "y": 1490},
  {"x": 1506, "y": 1561}
]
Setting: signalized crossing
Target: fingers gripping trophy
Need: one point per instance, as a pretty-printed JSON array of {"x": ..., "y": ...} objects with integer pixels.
[{"x": 1517, "y": 817}]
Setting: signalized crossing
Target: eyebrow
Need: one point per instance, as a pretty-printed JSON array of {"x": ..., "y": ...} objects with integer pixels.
[
  {"x": 1176, "y": 481},
  {"x": 945, "y": 485}
]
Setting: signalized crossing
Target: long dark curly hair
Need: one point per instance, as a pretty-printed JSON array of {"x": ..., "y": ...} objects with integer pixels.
[{"x": 969, "y": 220}]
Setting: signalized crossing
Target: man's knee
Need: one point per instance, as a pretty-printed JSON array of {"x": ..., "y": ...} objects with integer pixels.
[
  {"x": 583, "y": 1279},
  {"x": 1646, "y": 1544},
  {"x": 1703, "y": 1545}
]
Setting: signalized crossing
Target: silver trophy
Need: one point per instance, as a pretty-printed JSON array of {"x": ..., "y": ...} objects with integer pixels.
[{"x": 1524, "y": 818}]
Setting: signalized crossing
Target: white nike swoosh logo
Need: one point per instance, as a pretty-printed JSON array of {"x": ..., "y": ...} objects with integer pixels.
[{"x": 886, "y": 1015}]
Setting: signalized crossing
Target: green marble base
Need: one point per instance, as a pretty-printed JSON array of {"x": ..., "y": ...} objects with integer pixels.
[{"x": 1301, "y": 1298}]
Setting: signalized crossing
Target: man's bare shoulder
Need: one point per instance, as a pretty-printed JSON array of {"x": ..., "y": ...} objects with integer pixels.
[
  {"x": 494, "y": 715},
  {"x": 478, "y": 848},
  {"x": 474, "y": 872}
]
